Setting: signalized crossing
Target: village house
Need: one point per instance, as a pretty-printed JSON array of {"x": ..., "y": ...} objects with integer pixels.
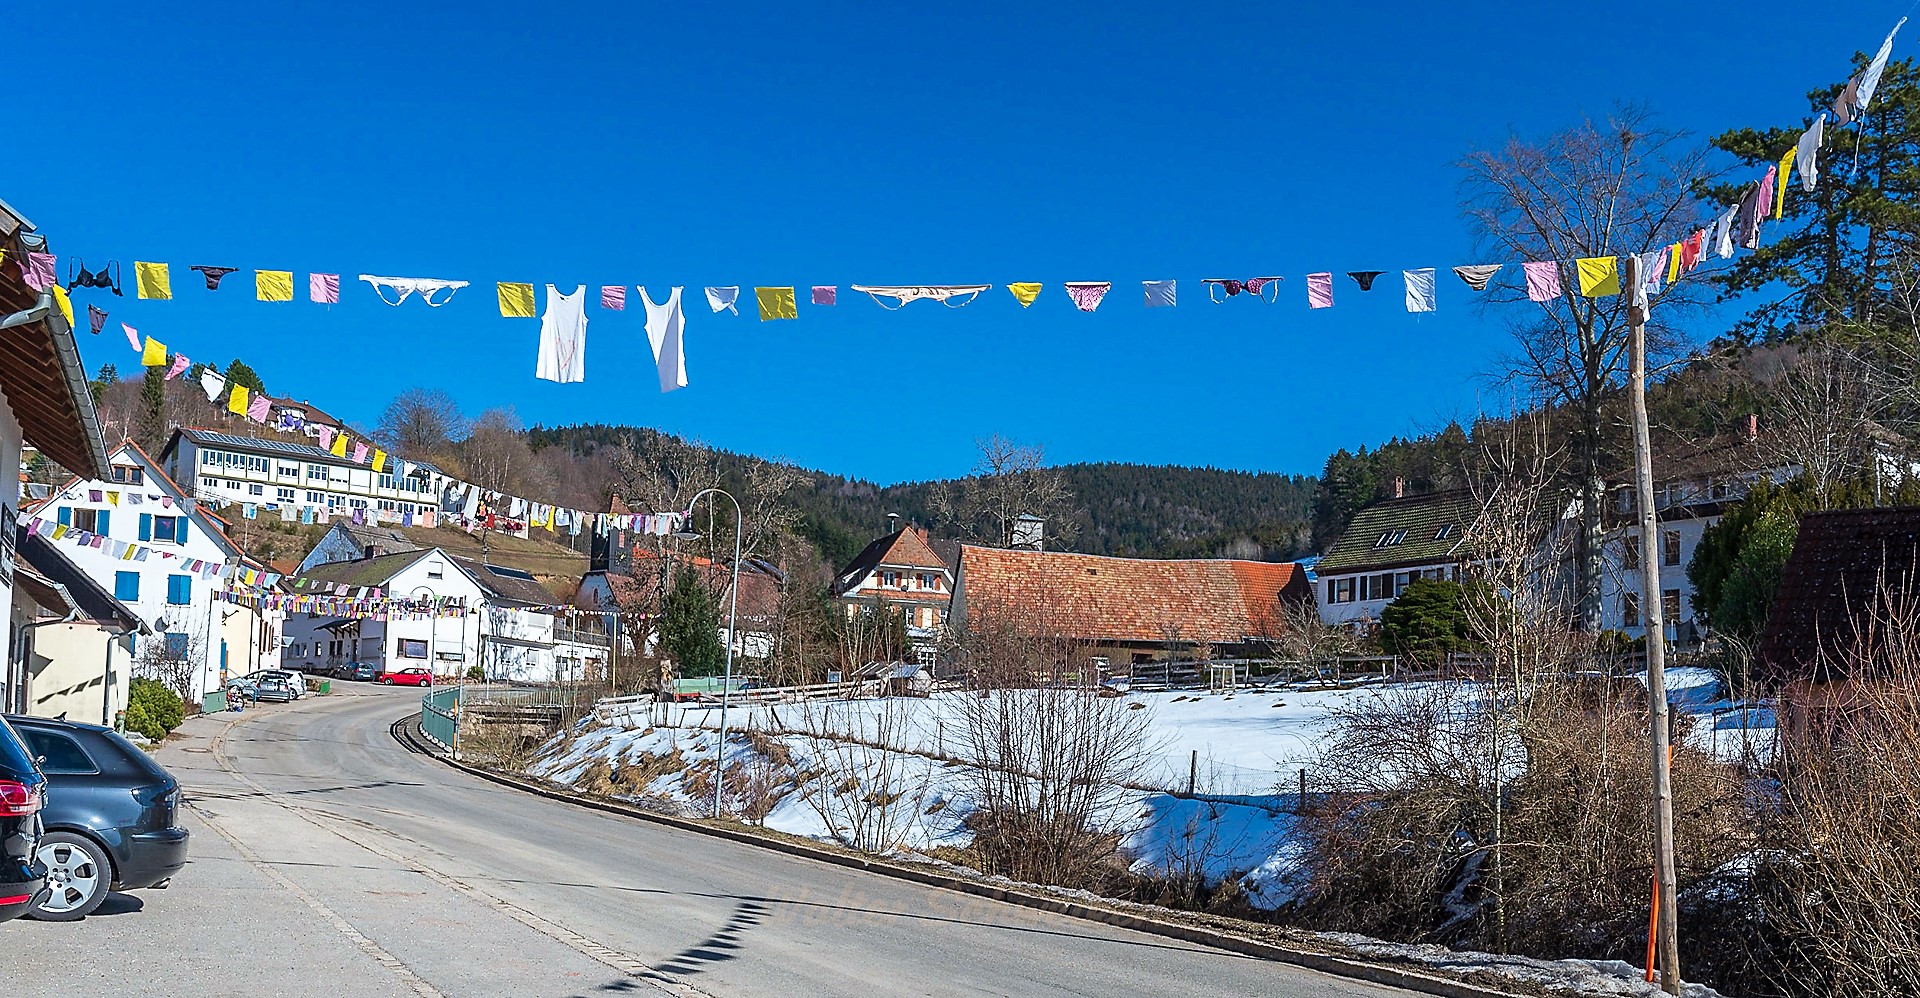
[
  {"x": 139, "y": 535},
  {"x": 277, "y": 474},
  {"x": 1126, "y": 612},
  {"x": 1848, "y": 567},
  {"x": 348, "y": 541},
  {"x": 45, "y": 404},
  {"x": 80, "y": 659},
  {"x": 1388, "y": 546},
  {"x": 499, "y": 619},
  {"x": 629, "y": 572},
  {"x": 901, "y": 573}
]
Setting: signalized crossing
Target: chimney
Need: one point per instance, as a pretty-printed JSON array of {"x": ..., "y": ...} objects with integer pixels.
[
  {"x": 893, "y": 523},
  {"x": 1753, "y": 427},
  {"x": 1029, "y": 533},
  {"x": 1399, "y": 487}
]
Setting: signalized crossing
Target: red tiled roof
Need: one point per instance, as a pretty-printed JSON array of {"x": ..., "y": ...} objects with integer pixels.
[
  {"x": 1128, "y": 599},
  {"x": 907, "y": 548}
]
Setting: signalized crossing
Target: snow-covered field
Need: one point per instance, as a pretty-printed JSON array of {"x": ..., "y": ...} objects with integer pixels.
[{"x": 1244, "y": 751}]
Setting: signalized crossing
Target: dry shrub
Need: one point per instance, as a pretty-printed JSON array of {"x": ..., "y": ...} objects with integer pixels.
[{"x": 857, "y": 772}]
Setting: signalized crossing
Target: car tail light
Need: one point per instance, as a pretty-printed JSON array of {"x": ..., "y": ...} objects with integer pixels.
[{"x": 17, "y": 800}]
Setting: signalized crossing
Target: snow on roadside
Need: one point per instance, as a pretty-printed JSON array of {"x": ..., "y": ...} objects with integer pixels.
[{"x": 1584, "y": 977}]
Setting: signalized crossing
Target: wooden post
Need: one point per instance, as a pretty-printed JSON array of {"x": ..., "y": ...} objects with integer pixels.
[
  {"x": 1666, "y": 922},
  {"x": 1302, "y": 809},
  {"x": 1193, "y": 771}
]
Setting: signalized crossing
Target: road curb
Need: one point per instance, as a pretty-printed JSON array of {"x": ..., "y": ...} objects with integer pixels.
[{"x": 1337, "y": 966}]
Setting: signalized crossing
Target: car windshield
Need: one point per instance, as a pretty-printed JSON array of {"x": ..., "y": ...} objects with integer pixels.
[{"x": 14, "y": 758}]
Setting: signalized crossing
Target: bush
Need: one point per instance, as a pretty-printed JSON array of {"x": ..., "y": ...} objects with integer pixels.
[
  {"x": 476, "y": 674},
  {"x": 152, "y": 709}
]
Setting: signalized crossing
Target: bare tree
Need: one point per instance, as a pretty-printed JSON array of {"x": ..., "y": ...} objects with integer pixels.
[
  {"x": 422, "y": 424},
  {"x": 1598, "y": 189},
  {"x": 868, "y": 792},
  {"x": 1009, "y": 481},
  {"x": 1820, "y": 402}
]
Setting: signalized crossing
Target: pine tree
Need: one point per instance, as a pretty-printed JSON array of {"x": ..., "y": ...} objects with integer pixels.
[
  {"x": 151, "y": 425},
  {"x": 107, "y": 378},
  {"x": 238, "y": 373},
  {"x": 690, "y": 627}
]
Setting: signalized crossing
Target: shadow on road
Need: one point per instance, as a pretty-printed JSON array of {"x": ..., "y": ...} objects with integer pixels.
[{"x": 718, "y": 947}]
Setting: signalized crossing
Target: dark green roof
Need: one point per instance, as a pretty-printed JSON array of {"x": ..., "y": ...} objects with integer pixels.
[
  {"x": 375, "y": 571},
  {"x": 1415, "y": 530}
]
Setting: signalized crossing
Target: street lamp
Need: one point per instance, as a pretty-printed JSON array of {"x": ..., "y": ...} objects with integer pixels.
[{"x": 733, "y": 630}]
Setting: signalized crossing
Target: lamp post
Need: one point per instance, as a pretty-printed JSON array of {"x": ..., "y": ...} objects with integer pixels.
[{"x": 733, "y": 630}]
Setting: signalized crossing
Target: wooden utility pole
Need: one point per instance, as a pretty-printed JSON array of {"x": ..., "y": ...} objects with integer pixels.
[{"x": 1666, "y": 924}]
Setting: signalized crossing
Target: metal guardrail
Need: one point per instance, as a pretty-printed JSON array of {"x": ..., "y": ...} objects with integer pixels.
[{"x": 440, "y": 716}]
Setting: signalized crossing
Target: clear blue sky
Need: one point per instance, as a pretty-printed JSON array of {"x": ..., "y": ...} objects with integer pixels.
[{"x": 886, "y": 144}]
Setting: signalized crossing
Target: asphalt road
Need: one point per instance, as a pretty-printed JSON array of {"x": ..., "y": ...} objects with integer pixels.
[{"x": 327, "y": 860}]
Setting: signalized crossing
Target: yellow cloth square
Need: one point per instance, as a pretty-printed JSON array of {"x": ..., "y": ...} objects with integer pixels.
[
  {"x": 1786, "y": 167},
  {"x": 379, "y": 459},
  {"x": 155, "y": 354},
  {"x": 236, "y": 402},
  {"x": 1599, "y": 276},
  {"x": 150, "y": 280},
  {"x": 273, "y": 285},
  {"x": 66, "y": 304},
  {"x": 339, "y": 448},
  {"x": 1026, "y": 293},
  {"x": 776, "y": 303},
  {"x": 516, "y": 301}
]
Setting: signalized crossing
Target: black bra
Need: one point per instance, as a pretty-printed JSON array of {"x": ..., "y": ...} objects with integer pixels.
[{"x": 106, "y": 277}]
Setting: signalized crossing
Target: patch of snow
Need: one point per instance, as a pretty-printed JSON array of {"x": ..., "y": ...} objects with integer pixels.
[{"x": 1582, "y": 977}]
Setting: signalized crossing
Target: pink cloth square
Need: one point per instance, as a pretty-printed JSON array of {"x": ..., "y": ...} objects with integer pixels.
[
  {"x": 324, "y": 288},
  {"x": 360, "y": 453},
  {"x": 823, "y": 294},
  {"x": 37, "y": 271},
  {"x": 1543, "y": 280},
  {"x": 326, "y": 435},
  {"x": 258, "y": 409},
  {"x": 1320, "y": 290},
  {"x": 180, "y": 363},
  {"x": 614, "y": 296},
  {"x": 1086, "y": 295},
  {"x": 133, "y": 336}
]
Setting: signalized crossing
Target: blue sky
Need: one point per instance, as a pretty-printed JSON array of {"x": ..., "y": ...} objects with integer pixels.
[{"x": 880, "y": 144}]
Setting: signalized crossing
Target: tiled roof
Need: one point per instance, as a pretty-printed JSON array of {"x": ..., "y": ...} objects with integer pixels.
[
  {"x": 1424, "y": 519},
  {"x": 375, "y": 571},
  {"x": 906, "y": 547},
  {"x": 1128, "y": 599},
  {"x": 759, "y": 592},
  {"x": 1834, "y": 576}
]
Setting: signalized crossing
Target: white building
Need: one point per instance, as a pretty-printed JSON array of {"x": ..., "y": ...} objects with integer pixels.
[
  {"x": 269, "y": 472},
  {"x": 80, "y": 658},
  {"x": 44, "y": 403},
  {"x": 1387, "y": 546},
  {"x": 507, "y": 624},
  {"x": 138, "y": 507}
]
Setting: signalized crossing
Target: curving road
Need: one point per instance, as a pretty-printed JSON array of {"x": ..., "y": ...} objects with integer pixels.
[{"x": 330, "y": 861}]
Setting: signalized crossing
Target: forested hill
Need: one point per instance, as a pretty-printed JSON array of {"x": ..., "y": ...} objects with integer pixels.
[
  {"x": 1136, "y": 510},
  {"x": 1119, "y": 509}
]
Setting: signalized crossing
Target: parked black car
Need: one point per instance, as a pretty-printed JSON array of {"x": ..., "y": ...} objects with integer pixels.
[
  {"x": 110, "y": 817},
  {"x": 22, "y": 796}
]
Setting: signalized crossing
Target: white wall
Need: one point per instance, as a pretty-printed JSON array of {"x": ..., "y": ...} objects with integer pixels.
[
  {"x": 1618, "y": 581},
  {"x": 70, "y": 666}
]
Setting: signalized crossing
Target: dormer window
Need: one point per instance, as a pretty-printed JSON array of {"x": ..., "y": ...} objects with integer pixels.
[
  {"x": 1390, "y": 538},
  {"x": 1444, "y": 533}
]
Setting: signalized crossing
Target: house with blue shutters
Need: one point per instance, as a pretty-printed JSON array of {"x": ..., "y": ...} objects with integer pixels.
[{"x": 140, "y": 536}]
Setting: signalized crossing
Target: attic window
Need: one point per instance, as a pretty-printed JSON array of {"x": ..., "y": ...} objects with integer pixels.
[
  {"x": 1445, "y": 532},
  {"x": 1390, "y": 538}
]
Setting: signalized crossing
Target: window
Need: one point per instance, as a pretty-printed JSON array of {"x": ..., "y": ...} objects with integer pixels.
[
  {"x": 287, "y": 471},
  {"x": 131, "y": 476},
  {"x": 316, "y": 472},
  {"x": 386, "y": 481},
  {"x": 413, "y": 648},
  {"x": 436, "y": 569},
  {"x": 1630, "y": 609},
  {"x": 233, "y": 485},
  {"x": 1445, "y": 532},
  {"x": 889, "y": 578},
  {"x": 1390, "y": 538},
  {"x": 169, "y": 529},
  {"x": 209, "y": 458},
  {"x": 126, "y": 587},
  {"x": 58, "y": 753},
  {"x": 209, "y": 483},
  {"x": 336, "y": 648},
  {"x": 284, "y": 495},
  {"x": 256, "y": 490},
  {"x": 1630, "y": 551},
  {"x": 1670, "y": 605},
  {"x": 316, "y": 497},
  {"x": 87, "y": 520},
  {"x": 1670, "y": 548},
  {"x": 179, "y": 590},
  {"x": 1342, "y": 589},
  {"x": 177, "y": 644},
  {"x": 357, "y": 503},
  {"x": 1375, "y": 587},
  {"x": 296, "y": 650}
]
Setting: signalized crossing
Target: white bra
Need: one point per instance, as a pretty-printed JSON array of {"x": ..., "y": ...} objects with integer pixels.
[
  {"x": 938, "y": 292},
  {"x": 404, "y": 286}
]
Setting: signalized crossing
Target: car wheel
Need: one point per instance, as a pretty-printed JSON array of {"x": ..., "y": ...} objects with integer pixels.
[{"x": 79, "y": 877}]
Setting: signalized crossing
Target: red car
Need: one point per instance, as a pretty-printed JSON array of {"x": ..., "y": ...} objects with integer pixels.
[{"x": 415, "y": 676}]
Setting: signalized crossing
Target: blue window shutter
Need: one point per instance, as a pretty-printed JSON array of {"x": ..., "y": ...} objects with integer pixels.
[
  {"x": 126, "y": 587},
  {"x": 66, "y": 516},
  {"x": 100, "y": 520},
  {"x": 179, "y": 589},
  {"x": 180, "y": 529},
  {"x": 146, "y": 526}
]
